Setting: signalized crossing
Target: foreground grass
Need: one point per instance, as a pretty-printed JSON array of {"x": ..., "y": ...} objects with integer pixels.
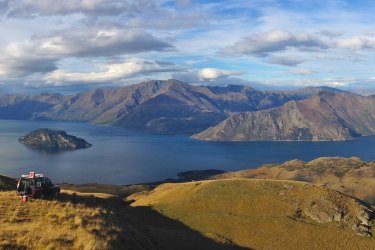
[{"x": 58, "y": 224}]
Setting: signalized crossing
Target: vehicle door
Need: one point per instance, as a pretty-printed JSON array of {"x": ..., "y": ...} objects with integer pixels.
[{"x": 39, "y": 185}]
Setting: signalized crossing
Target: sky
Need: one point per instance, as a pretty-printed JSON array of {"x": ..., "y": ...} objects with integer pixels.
[{"x": 73, "y": 45}]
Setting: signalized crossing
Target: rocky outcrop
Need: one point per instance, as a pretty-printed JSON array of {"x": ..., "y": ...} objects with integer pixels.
[
  {"x": 331, "y": 206},
  {"x": 53, "y": 140},
  {"x": 325, "y": 211},
  {"x": 327, "y": 117},
  {"x": 357, "y": 215}
]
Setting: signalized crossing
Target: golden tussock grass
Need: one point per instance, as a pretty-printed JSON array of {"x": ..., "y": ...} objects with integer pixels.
[
  {"x": 255, "y": 214},
  {"x": 55, "y": 224},
  {"x": 351, "y": 176},
  {"x": 91, "y": 221}
]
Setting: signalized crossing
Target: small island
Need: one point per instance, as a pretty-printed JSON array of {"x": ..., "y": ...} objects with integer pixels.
[{"x": 49, "y": 139}]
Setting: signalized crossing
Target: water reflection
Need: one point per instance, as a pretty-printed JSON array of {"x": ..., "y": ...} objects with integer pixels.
[{"x": 51, "y": 151}]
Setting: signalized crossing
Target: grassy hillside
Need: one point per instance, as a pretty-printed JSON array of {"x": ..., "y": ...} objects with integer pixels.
[
  {"x": 7, "y": 183},
  {"x": 259, "y": 214},
  {"x": 116, "y": 190},
  {"x": 91, "y": 221},
  {"x": 216, "y": 214},
  {"x": 351, "y": 176}
]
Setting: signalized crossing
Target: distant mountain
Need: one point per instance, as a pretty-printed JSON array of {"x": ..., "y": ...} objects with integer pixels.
[
  {"x": 22, "y": 107},
  {"x": 329, "y": 116},
  {"x": 307, "y": 92},
  {"x": 157, "y": 106}
]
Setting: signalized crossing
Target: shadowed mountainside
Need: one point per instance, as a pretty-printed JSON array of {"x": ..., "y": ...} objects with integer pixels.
[
  {"x": 329, "y": 116},
  {"x": 156, "y": 106}
]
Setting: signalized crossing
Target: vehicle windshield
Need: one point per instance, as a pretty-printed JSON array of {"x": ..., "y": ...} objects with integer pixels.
[
  {"x": 48, "y": 182},
  {"x": 25, "y": 185}
]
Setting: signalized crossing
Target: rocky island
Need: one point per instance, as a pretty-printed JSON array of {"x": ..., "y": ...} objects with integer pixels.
[{"x": 53, "y": 140}]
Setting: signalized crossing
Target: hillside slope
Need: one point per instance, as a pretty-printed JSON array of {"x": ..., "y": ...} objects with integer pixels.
[
  {"x": 261, "y": 214},
  {"x": 91, "y": 221},
  {"x": 328, "y": 116},
  {"x": 220, "y": 214},
  {"x": 351, "y": 176}
]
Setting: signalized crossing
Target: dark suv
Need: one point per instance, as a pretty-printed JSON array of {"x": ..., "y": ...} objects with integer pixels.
[{"x": 37, "y": 186}]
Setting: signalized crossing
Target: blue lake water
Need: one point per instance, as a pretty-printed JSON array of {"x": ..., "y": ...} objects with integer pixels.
[{"x": 121, "y": 156}]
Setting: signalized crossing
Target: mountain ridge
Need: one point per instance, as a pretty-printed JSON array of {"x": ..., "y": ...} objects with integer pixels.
[
  {"x": 329, "y": 116},
  {"x": 158, "y": 106}
]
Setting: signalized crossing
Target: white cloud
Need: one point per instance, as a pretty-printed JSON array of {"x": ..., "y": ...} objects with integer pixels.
[
  {"x": 274, "y": 41},
  {"x": 184, "y": 3},
  {"x": 356, "y": 43},
  {"x": 331, "y": 82},
  {"x": 109, "y": 72},
  {"x": 98, "y": 42},
  {"x": 264, "y": 44},
  {"x": 205, "y": 74},
  {"x": 30, "y": 8},
  {"x": 300, "y": 71},
  {"x": 40, "y": 54},
  {"x": 214, "y": 73},
  {"x": 285, "y": 60}
]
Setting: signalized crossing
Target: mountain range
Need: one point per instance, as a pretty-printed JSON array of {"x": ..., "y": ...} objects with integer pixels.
[
  {"x": 211, "y": 113},
  {"x": 167, "y": 107}
]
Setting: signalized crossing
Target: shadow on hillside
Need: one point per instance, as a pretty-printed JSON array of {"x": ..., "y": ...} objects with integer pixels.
[{"x": 145, "y": 228}]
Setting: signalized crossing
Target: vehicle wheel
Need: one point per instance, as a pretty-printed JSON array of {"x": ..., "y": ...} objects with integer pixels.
[{"x": 56, "y": 194}]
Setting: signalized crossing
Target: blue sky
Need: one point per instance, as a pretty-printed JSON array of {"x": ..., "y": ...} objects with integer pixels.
[{"x": 49, "y": 45}]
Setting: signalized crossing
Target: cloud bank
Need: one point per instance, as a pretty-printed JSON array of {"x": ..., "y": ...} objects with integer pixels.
[{"x": 109, "y": 72}]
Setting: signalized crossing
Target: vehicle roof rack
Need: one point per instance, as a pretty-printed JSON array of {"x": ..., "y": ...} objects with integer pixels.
[{"x": 32, "y": 175}]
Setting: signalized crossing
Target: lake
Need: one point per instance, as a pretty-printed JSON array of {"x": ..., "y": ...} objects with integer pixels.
[{"x": 121, "y": 156}]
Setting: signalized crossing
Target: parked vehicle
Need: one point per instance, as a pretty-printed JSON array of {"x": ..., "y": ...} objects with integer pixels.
[{"x": 37, "y": 186}]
